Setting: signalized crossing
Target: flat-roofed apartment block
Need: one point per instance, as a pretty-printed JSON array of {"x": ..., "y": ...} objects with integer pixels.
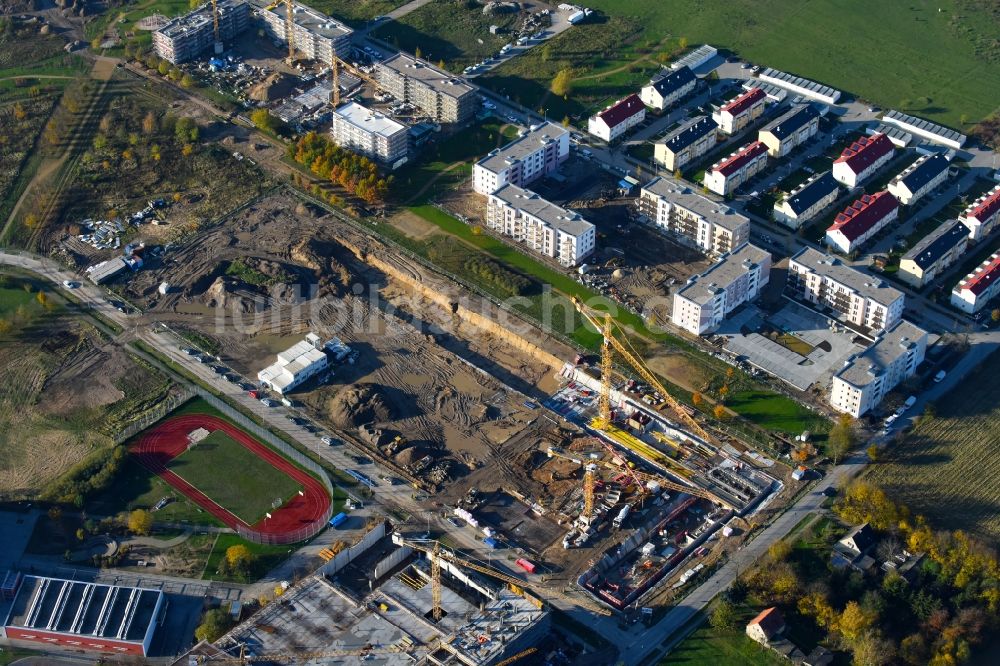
[
  {"x": 691, "y": 140},
  {"x": 729, "y": 174},
  {"x": 442, "y": 96},
  {"x": 707, "y": 299},
  {"x": 862, "y": 159},
  {"x": 933, "y": 254},
  {"x": 186, "y": 37},
  {"x": 666, "y": 89},
  {"x": 866, "y": 379},
  {"x": 857, "y": 298},
  {"x": 865, "y": 217},
  {"x": 540, "y": 225},
  {"x": 740, "y": 111},
  {"x": 978, "y": 287},
  {"x": 78, "y": 615},
  {"x": 807, "y": 200},
  {"x": 709, "y": 225},
  {"x": 919, "y": 178},
  {"x": 368, "y": 132},
  {"x": 314, "y": 34},
  {"x": 792, "y": 129},
  {"x": 537, "y": 153},
  {"x": 982, "y": 216}
]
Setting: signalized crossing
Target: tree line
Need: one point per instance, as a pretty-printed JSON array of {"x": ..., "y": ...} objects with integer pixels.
[{"x": 355, "y": 173}]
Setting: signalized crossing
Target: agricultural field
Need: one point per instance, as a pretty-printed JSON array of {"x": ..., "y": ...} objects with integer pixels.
[
  {"x": 956, "y": 87},
  {"x": 249, "y": 485},
  {"x": 50, "y": 430},
  {"x": 946, "y": 468},
  {"x": 356, "y": 13}
]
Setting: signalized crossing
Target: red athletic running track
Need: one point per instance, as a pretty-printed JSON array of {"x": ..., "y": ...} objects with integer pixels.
[{"x": 169, "y": 439}]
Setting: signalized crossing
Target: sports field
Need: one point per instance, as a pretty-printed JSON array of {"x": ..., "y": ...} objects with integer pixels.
[
  {"x": 943, "y": 65},
  {"x": 233, "y": 476}
]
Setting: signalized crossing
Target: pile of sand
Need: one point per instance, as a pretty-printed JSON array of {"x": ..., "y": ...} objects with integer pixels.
[
  {"x": 276, "y": 86},
  {"x": 357, "y": 405},
  {"x": 333, "y": 276},
  {"x": 232, "y": 295},
  {"x": 407, "y": 457}
]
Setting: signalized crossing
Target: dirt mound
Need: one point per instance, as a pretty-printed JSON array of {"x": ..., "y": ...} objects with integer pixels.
[
  {"x": 333, "y": 276},
  {"x": 359, "y": 404},
  {"x": 231, "y": 294},
  {"x": 275, "y": 86},
  {"x": 407, "y": 457}
]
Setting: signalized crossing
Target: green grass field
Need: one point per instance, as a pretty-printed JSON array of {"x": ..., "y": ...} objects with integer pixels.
[
  {"x": 233, "y": 477},
  {"x": 266, "y": 556},
  {"x": 355, "y": 13},
  {"x": 878, "y": 51},
  {"x": 721, "y": 647}
]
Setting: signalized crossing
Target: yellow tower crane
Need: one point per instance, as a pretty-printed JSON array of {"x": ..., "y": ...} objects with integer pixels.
[
  {"x": 589, "y": 482},
  {"x": 437, "y": 553},
  {"x": 290, "y": 30},
  {"x": 603, "y": 322},
  {"x": 215, "y": 20},
  {"x": 518, "y": 657}
]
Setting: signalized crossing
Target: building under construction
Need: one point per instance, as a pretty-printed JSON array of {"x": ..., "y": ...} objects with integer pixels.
[
  {"x": 315, "y": 35},
  {"x": 186, "y": 37},
  {"x": 374, "y": 603},
  {"x": 442, "y": 96}
]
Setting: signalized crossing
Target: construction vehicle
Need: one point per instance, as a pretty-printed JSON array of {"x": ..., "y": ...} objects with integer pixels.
[{"x": 436, "y": 553}]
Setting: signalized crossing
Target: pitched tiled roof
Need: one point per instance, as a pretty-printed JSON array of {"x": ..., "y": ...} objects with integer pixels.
[
  {"x": 987, "y": 206},
  {"x": 984, "y": 276},
  {"x": 669, "y": 83},
  {"x": 864, "y": 214},
  {"x": 770, "y": 621},
  {"x": 735, "y": 162},
  {"x": 621, "y": 111},
  {"x": 865, "y": 151},
  {"x": 744, "y": 101}
]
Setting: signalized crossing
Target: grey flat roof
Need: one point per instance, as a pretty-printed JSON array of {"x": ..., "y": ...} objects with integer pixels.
[
  {"x": 521, "y": 147},
  {"x": 867, "y": 285},
  {"x": 702, "y": 288},
  {"x": 924, "y": 125},
  {"x": 421, "y": 70},
  {"x": 798, "y": 81},
  {"x": 694, "y": 57},
  {"x": 872, "y": 363},
  {"x": 683, "y": 196},
  {"x": 313, "y": 21},
  {"x": 936, "y": 244},
  {"x": 553, "y": 215},
  {"x": 197, "y": 18},
  {"x": 368, "y": 120}
]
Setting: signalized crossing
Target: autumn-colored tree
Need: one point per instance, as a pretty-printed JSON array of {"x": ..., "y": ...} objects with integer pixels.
[
  {"x": 187, "y": 81},
  {"x": 730, "y": 371},
  {"x": 238, "y": 555},
  {"x": 140, "y": 521},
  {"x": 723, "y": 390},
  {"x": 163, "y": 68},
  {"x": 815, "y": 604},
  {"x": 149, "y": 123},
  {"x": 682, "y": 42},
  {"x": 562, "y": 82},
  {"x": 863, "y": 502},
  {"x": 19, "y": 112},
  {"x": 995, "y": 314},
  {"x": 696, "y": 398},
  {"x": 187, "y": 149},
  {"x": 854, "y": 621},
  {"x": 842, "y": 438},
  {"x": 872, "y": 452},
  {"x": 154, "y": 152},
  {"x": 719, "y": 412},
  {"x": 417, "y": 53},
  {"x": 724, "y": 615},
  {"x": 565, "y": 121},
  {"x": 779, "y": 551}
]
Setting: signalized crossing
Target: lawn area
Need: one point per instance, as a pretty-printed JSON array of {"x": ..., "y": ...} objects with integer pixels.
[
  {"x": 722, "y": 647},
  {"x": 14, "y": 294},
  {"x": 266, "y": 556},
  {"x": 774, "y": 411},
  {"x": 356, "y": 13},
  {"x": 946, "y": 468},
  {"x": 807, "y": 39},
  {"x": 249, "y": 485}
]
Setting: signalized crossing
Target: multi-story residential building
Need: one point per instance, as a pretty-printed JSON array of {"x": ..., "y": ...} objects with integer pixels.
[
  {"x": 792, "y": 129},
  {"x": 707, "y": 299},
  {"x": 709, "y": 225},
  {"x": 525, "y": 159},
  {"x": 858, "y": 298},
  {"x": 983, "y": 215},
  {"x": 667, "y": 89},
  {"x": 186, "y": 37},
  {"x": 740, "y": 111},
  {"x": 690, "y": 141},
  {"x": 315, "y": 35},
  {"x": 934, "y": 253},
  {"x": 866, "y": 379},
  {"x": 862, "y": 159},
  {"x": 442, "y": 96},
  {"x": 807, "y": 200},
  {"x": 370, "y": 133},
  {"x": 730, "y": 173},
  {"x": 919, "y": 179},
  {"x": 861, "y": 220},
  {"x": 978, "y": 287},
  {"x": 540, "y": 225},
  {"x": 617, "y": 119}
]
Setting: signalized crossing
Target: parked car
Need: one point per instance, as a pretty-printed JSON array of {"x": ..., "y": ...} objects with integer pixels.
[
  {"x": 941, "y": 374},
  {"x": 70, "y": 284},
  {"x": 329, "y": 441}
]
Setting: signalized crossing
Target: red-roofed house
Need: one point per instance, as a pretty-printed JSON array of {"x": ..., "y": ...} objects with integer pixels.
[
  {"x": 862, "y": 158},
  {"x": 617, "y": 119},
  {"x": 767, "y": 626},
  {"x": 728, "y": 174},
  {"x": 740, "y": 111},
  {"x": 861, "y": 220},
  {"x": 978, "y": 287},
  {"x": 983, "y": 215}
]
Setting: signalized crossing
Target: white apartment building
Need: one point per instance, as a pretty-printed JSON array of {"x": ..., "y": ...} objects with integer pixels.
[
  {"x": 443, "y": 96},
  {"x": 865, "y": 380},
  {"x": 691, "y": 140},
  {"x": 919, "y": 179},
  {"x": 667, "y": 89},
  {"x": 535, "y": 154},
  {"x": 707, "y": 299},
  {"x": 807, "y": 200},
  {"x": 857, "y": 298},
  {"x": 982, "y": 216},
  {"x": 740, "y": 111},
  {"x": 540, "y": 225},
  {"x": 726, "y": 176},
  {"x": 708, "y": 225},
  {"x": 295, "y": 365},
  {"x": 790, "y": 130},
  {"x": 188, "y": 36},
  {"x": 862, "y": 159},
  {"x": 617, "y": 119},
  {"x": 370, "y": 133},
  {"x": 978, "y": 287},
  {"x": 315, "y": 35}
]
